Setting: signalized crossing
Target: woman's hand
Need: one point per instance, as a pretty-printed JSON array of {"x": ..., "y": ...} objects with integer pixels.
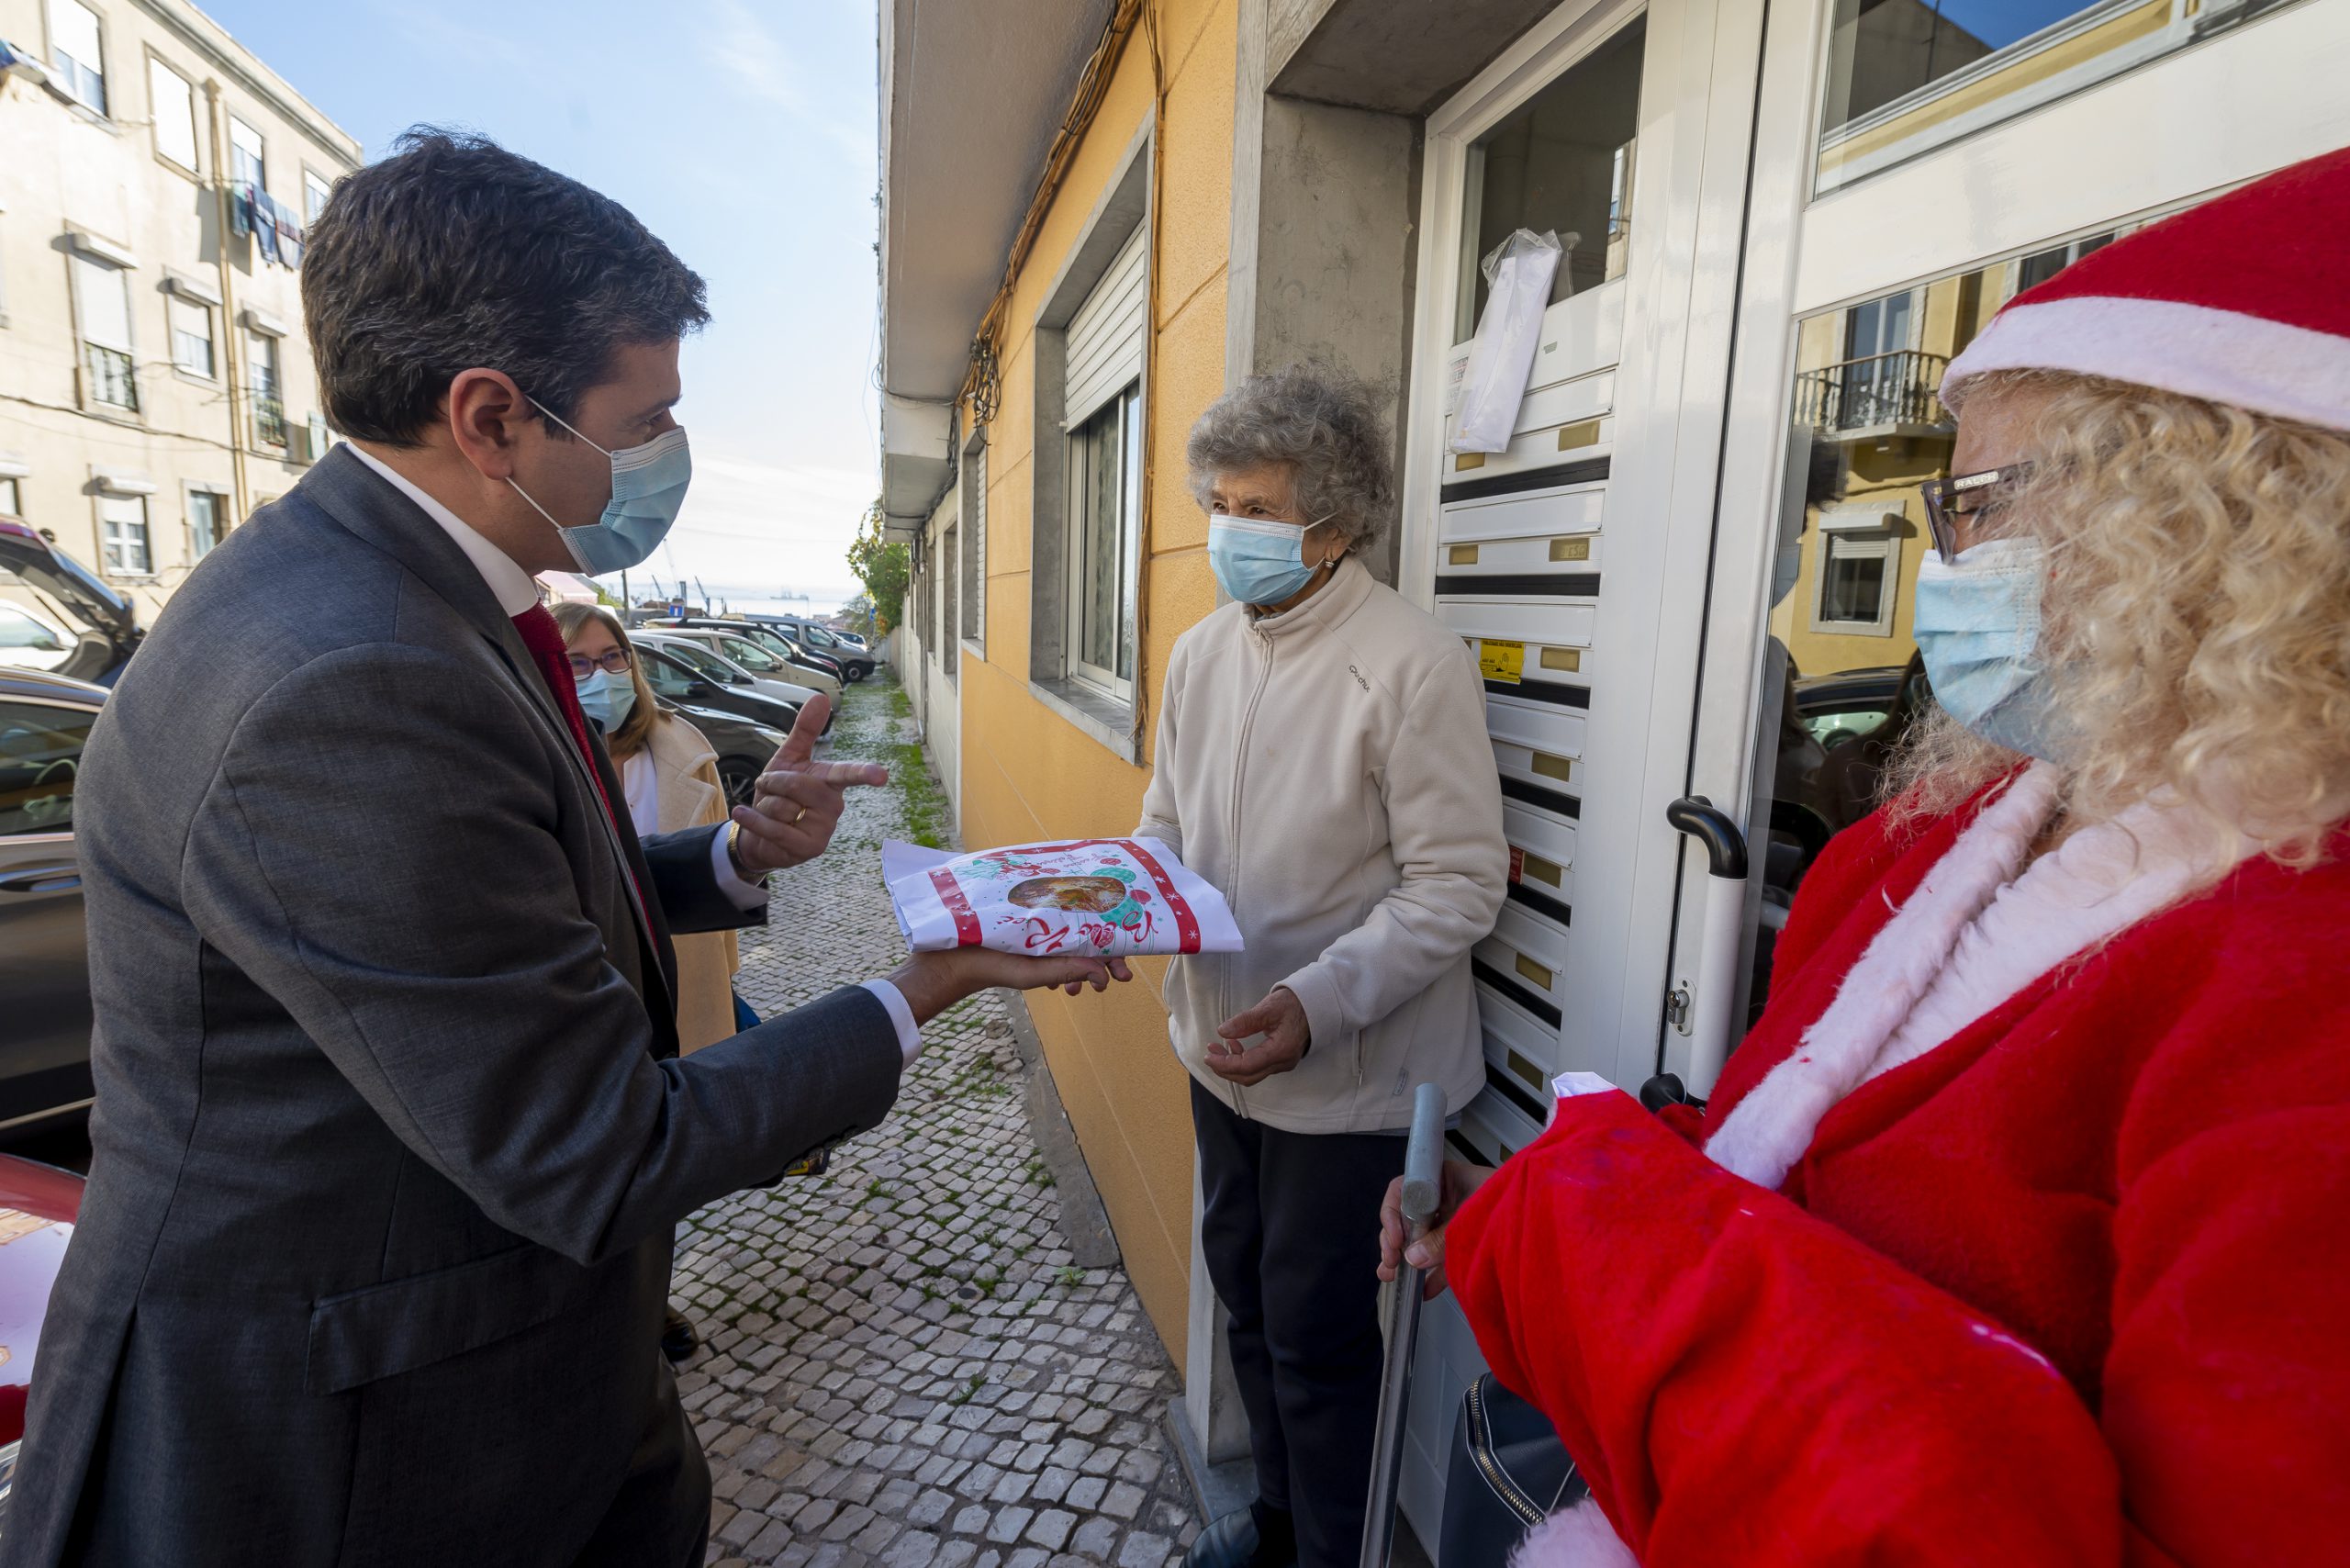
[
  {"x": 933, "y": 982},
  {"x": 1281, "y": 1018},
  {"x": 1460, "y": 1179}
]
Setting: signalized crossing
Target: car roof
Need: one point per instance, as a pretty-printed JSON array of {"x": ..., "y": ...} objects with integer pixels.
[{"x": 41, "y": 683}]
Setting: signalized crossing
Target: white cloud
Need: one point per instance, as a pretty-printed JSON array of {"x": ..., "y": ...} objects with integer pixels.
[{"x": 739, "y": 45}]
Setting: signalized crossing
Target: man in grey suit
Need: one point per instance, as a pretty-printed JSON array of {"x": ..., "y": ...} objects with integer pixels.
[{"x": 391, "y": 1133}]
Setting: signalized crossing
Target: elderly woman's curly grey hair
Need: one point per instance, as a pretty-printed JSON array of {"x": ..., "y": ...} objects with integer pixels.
[{"x": 1320, "y": 423}]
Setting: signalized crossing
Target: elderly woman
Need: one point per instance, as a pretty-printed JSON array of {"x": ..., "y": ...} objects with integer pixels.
[
  {"x": 2015, "y": 1232},
  {"x": 1310, "y": 764}
]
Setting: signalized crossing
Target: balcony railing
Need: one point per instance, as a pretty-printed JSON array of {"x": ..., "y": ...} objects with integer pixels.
[
  {"x": 112, "y": 381},
  {"x": 269, "y": 419},
  {"x": 1881, "y": 391}
]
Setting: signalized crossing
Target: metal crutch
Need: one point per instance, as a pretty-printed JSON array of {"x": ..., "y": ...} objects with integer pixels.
[{"x": 1423, "y": 1192}]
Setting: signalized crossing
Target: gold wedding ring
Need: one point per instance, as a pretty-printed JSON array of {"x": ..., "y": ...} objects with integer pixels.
[{"x": 795, "y": 822}]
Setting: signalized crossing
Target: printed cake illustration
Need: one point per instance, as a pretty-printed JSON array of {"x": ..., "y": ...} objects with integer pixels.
[{"x": 1111, "y": 896}]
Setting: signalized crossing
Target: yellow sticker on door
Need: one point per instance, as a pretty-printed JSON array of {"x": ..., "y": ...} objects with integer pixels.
[{"x": 1501, "y": 661}]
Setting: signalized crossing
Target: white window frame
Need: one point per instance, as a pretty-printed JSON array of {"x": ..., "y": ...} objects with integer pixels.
[
  {"x": 86, "y": 269},
  {"x": 175, "y": 306},
  {"x": 159, "y": 110},
  {"x": 77, "y": 73},
  {"x": 265, "y": 378},
  {"x": 1856, "y": 544},
  {"x": 110, "y": 547},
  {"x": 239, "y": 155},
  {"x": 1125, "y": 407},
  {"x": 316, "y": 189},
  {"x": 197, "y": 546},
  {"x": 12, "y": 496}
]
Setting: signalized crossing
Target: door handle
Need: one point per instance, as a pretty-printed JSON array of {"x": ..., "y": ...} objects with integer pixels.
[
  {"x": 1709, "y": 1026},
  {"x": 43, "y": 879}
]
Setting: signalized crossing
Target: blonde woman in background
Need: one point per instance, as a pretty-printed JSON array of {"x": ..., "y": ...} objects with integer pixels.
[{"x": 669, "y": 774}]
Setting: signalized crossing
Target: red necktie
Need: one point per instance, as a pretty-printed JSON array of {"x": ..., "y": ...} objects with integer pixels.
[{"x": 545, "y": 639}]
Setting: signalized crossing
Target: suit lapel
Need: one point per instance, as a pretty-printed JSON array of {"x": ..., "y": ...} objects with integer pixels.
[{"x": 360, "y": 499}]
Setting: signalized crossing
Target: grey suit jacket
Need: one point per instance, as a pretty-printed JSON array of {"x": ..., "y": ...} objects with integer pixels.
[{"x": 390, "y": 1137}]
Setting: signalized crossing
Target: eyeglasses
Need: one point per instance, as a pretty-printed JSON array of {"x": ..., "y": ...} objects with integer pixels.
[
  {"x": 1964, "y": 496},
  {"x": 614, "y": 662}
]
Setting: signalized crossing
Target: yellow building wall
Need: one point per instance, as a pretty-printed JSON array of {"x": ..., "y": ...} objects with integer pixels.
[{"x": 1027, "y": 773}]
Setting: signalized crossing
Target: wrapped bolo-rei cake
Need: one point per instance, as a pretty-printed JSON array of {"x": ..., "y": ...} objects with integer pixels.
[{"x": 1110, "y": 897}]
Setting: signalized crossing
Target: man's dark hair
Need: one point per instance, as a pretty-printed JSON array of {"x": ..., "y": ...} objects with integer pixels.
[{"x": 453, "y": 253}]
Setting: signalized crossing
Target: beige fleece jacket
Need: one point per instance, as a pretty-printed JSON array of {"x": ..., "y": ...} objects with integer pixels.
[{"x": 1327, "y": 770}]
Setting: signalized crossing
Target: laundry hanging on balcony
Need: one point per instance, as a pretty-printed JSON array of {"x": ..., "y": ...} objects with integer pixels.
[
  {"x": 1518, "y": 273},
  {"x": 266, "y": 227}
]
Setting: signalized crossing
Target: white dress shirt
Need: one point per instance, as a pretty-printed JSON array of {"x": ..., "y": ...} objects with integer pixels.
[{"x": 516, "y": 592}]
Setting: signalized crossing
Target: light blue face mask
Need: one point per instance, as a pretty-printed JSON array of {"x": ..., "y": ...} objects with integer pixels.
[
  {"x": 1258, "y": 562},
  {"x": 648, "y": 487},
  {"x": 606, "y": 699},
  {"x": 1977, "y": 625}
]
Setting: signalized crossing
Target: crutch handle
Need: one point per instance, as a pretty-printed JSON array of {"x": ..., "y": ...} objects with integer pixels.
[{"x": 1424, "y": 1160}]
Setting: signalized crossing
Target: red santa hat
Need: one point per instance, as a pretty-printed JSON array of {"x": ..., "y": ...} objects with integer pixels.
[{"x": 2239, "y": 301}]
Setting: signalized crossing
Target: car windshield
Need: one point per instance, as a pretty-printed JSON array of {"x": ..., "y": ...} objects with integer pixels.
[
  {"x": 749, "y": 654},
  {"x": 668, "y": 678},
  {"x": 703, "y": 662},
  {"x": 819, "y": 636}
]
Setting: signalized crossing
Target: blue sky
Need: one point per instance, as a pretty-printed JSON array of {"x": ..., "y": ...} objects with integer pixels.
[{"x": 742, "y": 132}]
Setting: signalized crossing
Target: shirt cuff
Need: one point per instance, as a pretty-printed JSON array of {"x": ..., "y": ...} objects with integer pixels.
[
  {"x": 900, "y": 1015},
  {"x": 742, "y": 895},
  {"x": 1569, "y": 1085}
]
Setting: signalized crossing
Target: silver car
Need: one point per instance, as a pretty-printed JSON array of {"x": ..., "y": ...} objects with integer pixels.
[
  {"x": 760, "y": 658},
  {"x": 713, "y": 665}
]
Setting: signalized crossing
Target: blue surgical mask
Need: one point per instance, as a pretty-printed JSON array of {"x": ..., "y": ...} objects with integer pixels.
[
  {"x": 606, "y": 699},
  {"x": 648, "y": 487},
  {"x": 1258, "y": 562},
  {"x": 1977, "y": 625}
]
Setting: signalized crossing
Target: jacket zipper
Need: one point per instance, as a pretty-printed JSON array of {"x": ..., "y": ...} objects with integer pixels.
[
  {"x": 1481, "y": 1448},
  {"x": 1239, "y": 772}
]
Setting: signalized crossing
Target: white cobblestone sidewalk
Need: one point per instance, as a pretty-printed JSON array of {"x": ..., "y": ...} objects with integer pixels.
[{"x": 901, "y": 1364}]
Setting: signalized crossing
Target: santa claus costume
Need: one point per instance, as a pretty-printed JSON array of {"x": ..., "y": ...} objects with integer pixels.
[{"x": 2018, "y": 1232}]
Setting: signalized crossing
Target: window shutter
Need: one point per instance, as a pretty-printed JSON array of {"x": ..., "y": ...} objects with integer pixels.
[{"x": 1106, "y": 337}]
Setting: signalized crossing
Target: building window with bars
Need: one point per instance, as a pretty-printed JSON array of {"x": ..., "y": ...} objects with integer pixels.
[
  {"x": 269, "y": 405},
  {"x": 102, "y": 304}
]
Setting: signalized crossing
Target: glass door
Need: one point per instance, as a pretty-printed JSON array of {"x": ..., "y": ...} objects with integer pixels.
[{"x": 1916, "y": 168}]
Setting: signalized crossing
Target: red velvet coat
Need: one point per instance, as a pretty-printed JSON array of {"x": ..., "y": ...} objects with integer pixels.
[{"x": 2072, "y": 1288}]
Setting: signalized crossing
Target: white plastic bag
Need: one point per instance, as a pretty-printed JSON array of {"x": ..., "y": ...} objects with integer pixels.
[
  {"x": 1111, "y": 897},
  {"x": 1518, "y": 274}
]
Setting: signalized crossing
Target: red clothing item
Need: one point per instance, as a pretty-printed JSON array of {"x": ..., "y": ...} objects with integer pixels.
[
  {"x": 2072, "y": 1288},
  {"x": 543, "y": 637}
]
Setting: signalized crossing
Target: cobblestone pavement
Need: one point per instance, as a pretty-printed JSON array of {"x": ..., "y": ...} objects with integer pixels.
[{"x": 900, "y": 1365}]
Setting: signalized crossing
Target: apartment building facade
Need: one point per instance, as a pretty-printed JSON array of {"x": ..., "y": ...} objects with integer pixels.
[
  {"x": 155, "y": 385},
  {"x": 1688, "y": 573}
]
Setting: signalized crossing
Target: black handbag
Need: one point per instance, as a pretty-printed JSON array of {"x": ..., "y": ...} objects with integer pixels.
[{"x": 1508, "y": 1473}]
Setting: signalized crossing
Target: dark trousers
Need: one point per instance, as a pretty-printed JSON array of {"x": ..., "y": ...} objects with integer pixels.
[{"x": 1291, "y": 1232}]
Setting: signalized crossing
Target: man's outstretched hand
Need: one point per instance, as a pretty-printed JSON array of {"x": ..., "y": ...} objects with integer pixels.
[
  {"x": 798, "y": 801},
  {"x": 931, "y": 982}
]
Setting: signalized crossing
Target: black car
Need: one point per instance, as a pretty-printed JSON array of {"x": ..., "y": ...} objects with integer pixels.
[
  {"x": 106, "y": 625},
  {"x": 45, "y": 720},
  {"x": 679, "y": 684},
  {"x": 745, "y": 746}
]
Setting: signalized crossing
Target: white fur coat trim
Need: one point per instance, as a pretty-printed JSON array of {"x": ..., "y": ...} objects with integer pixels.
[
  {"x": 1768, "y": 1132},
  {"x": 1579, "y": 1536}
]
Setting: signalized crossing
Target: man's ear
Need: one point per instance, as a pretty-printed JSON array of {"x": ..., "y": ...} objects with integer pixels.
[{"x": 486, "y": 412}]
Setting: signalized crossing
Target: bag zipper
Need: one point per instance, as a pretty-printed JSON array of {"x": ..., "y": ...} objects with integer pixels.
[
  {"x": 1481, "y": 1450},
  {"x": 1239, "y": 772}
]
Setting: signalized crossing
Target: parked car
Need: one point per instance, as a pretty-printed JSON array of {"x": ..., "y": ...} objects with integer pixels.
[
  {"x": 45, "y": 720},
  {"x": 769, "y": 657},
  {"x": 104, "y": 623},
  {"x": 1847, "y": 703},
  {"x": 783, "y": 680},
  {"x": 30, "y": 642},
  {"x": 38, "y": 1204},
  {"x": 854, "y": 662},
  {"x": 745, "y": 746},
  {"x": 773, "y": 633},
  {"x": 678, "y": 678}
]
